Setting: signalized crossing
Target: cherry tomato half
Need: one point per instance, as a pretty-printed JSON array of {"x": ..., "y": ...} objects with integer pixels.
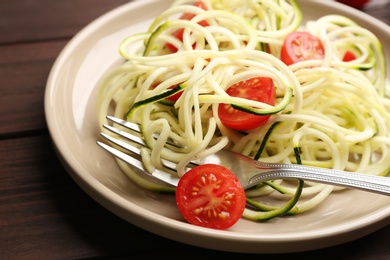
[
  {"x": 179, "y": 33},
  {"x": 211, "y": 196},
  {"x": 299, "y": 46},
  {"x": 261, "y": 89}
]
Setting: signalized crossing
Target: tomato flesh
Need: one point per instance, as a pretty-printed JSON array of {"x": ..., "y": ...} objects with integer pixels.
[
  {"x": 174, "y": 97},
  {"x": 300, "y": 46},
  {"x": 260, "y": 89},
  {"x": 187, "y": 16},
  {"x": 348, "y": 56},
  {"x": 211, "y": 196}
]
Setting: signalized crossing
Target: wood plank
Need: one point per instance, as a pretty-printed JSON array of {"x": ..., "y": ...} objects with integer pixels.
[
  {"x": 26, "y": 20},
  {"x": 24, "y": 69}
]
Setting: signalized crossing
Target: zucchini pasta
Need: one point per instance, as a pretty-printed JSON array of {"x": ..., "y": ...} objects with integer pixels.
[{"x": 335, "y": 112}]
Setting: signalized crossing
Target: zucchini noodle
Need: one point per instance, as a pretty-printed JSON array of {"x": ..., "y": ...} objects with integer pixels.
[
  {"x": 340, "y": 34},
  {"x": 328, "y": 113}
]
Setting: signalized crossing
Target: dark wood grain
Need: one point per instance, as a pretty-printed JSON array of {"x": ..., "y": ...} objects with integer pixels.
[
  {"x": 43, "y": 213},
  {"x": 26, "y": 20},
  {"x": 32, "y": 33},
  {"x": 24, "y": 69}
]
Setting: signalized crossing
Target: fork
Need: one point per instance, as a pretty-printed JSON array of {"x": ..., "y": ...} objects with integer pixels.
[{"x": 248, "y": 171}]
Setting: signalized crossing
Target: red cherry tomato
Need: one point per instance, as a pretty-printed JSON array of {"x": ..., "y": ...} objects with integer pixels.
[
  {"x": 210, "y": 196},
  {"x": 299, "y": 46},
  {"x": 261, "y": 89},
  {"x": 179, "y": 33},
  {"x": 354, "y": 3}
]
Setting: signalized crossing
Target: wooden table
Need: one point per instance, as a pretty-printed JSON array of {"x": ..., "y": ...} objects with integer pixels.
[{"x": 43, "y": 213}]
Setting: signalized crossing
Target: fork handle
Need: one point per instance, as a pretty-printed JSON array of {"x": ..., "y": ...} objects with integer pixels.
[{"x": 366, "y": 182}]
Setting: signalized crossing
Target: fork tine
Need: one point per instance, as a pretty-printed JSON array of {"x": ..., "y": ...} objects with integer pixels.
[
  {"x": 163, "y": 176},
  {"x": 168, "y": 164},
  {"x": 122, "y": 144},
  {"x": 124, "y": 157},
  {"x": 134, "y": 127},
  {"x": 129, "y": 136},
  {"x": 125, "y": 123}
]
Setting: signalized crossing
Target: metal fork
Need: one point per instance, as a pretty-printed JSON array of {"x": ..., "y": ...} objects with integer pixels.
[{"x": 248, "y": 171}]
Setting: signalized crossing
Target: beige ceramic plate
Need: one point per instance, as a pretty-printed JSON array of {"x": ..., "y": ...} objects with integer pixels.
[{"x": 71, "y": 116}]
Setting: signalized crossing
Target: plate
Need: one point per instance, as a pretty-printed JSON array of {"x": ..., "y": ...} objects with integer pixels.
[{"x": 70, "y": 107}]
